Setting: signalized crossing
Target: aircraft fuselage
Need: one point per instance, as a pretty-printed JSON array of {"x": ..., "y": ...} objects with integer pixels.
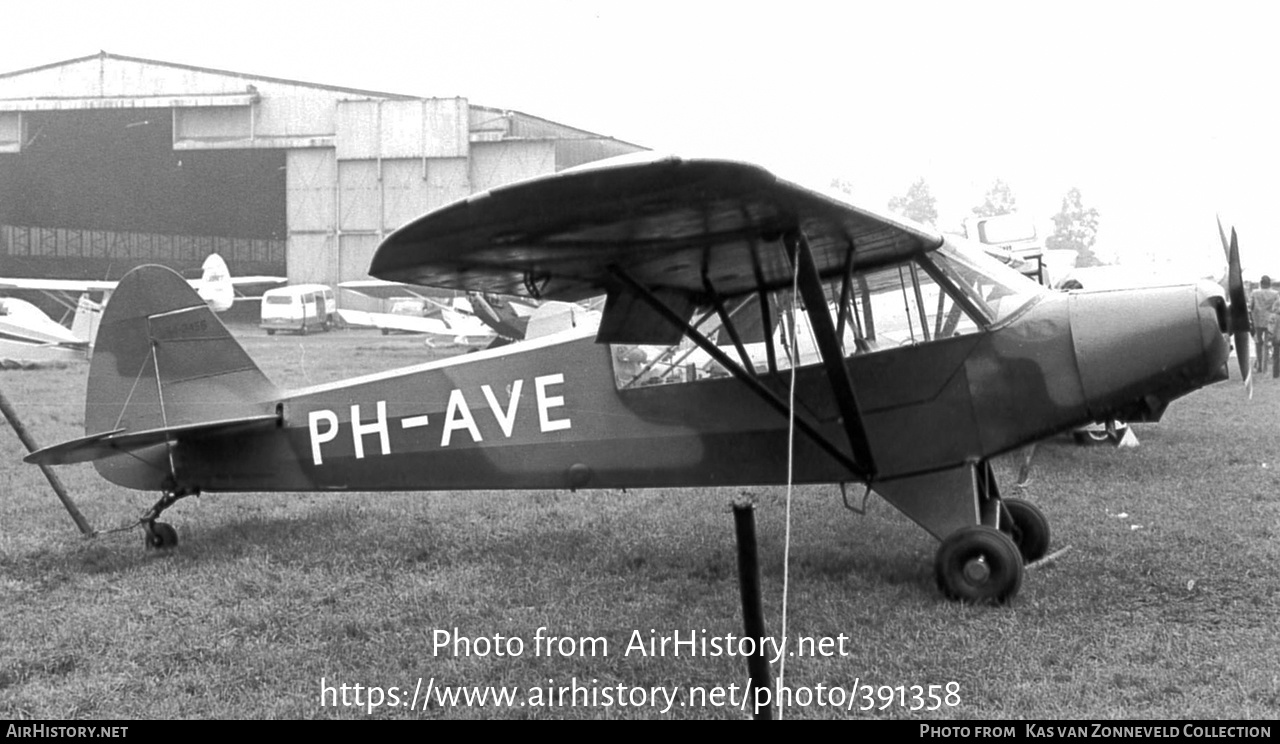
[{"x": 547, "y": 413}]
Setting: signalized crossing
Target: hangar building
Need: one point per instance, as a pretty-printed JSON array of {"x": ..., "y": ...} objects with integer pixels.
[{"x": 108, "y": 162}]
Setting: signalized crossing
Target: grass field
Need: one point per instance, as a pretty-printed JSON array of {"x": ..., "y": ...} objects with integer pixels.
[{"x": 1167, "y": 605}]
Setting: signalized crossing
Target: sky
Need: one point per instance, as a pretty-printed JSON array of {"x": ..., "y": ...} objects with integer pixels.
[{"x": 1163, "y": 114}]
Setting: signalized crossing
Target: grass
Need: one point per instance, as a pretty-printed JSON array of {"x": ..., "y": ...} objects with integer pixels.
[{"x": 1166, "y": 606}]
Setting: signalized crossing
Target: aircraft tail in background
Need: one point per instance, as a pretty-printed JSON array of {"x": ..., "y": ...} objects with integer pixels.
[
  {"x": 85, "y": 325},
  {"x": 215, "y": 286}
]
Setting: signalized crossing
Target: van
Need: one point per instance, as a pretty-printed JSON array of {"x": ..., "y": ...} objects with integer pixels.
[{"x": 298, "y": 308}]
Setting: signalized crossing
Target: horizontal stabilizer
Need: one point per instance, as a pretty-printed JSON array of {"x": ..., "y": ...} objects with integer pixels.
[{"x": 107, "y": 443}]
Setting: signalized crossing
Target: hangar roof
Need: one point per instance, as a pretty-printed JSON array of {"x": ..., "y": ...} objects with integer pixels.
[
  {"x": 107, "y": 81},
  {"x": 35, "y": 78}
]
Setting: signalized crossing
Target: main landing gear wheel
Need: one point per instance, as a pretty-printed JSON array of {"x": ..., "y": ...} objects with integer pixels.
[
  {"x": 161, "y": 536},
  {"x": 1028, "y": 528},
  {"x": 979, "y": 565}
]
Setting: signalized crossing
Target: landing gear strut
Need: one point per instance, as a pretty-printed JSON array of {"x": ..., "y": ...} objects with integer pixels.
[
  {"x": 162, "y": 535},
  {"x": 986, "y": 539}
]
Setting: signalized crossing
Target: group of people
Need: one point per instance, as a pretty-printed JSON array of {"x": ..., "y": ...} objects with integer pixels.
[{"x": 1264, "y": 309}]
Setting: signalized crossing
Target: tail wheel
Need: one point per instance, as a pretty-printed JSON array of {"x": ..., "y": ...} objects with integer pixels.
[
  {"x": 1028, "y": 528},
  {"x": 162, "y": 536},
  {"x": 979, "y": 565}
]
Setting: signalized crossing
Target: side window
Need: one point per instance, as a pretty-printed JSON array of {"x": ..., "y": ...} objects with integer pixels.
[
  {"x": 903, "y": 305},
  {"x": 784, "y": 340},
  {"x": 872, "y": 311}
]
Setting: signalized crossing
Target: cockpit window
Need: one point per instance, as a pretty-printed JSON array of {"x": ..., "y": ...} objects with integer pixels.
[
  {"x": 904, "y": 305},
  {"x": 996, "y": 290},
  {"x": 950, "y": 292}
]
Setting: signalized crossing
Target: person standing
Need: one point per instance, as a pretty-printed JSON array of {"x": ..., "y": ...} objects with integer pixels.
[{"x": 1264, "y": 309}]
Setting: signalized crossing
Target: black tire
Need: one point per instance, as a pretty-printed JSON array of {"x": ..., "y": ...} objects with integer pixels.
[
  {"x": 979, "y": 565},
  {"x": 1089, "y": 436},
  {"x": 162, "y": 536},
  {"x": 271, "y": 331},
  {"x": 1029, "y": 529}
]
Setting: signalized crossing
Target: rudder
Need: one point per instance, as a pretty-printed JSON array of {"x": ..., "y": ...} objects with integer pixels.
[{"x": 163, "y": 359}]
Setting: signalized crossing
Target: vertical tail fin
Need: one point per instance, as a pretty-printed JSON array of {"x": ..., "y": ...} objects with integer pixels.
[
  {"x": 85, "y": 325},
  {"x": 215, "y": 285},
  {"x": 163, "y": 359}
]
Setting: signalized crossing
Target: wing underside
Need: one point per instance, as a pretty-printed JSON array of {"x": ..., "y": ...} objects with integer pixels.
[{"x": 675, "y": 226}]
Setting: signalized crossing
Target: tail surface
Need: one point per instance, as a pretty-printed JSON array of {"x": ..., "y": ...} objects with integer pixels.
[
  {"x": 215, "y": 286},
  {"x": 164, "y": 368},
  {"x": 85, "y": 325},
  {"x": 163, "y": 359}
]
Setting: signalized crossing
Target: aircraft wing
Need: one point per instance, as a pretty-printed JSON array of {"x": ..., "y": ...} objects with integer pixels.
[
  {"x": 467, "y": 334},
  {"x": 385, "y": 290},
  {"x": 252, "y": 287},
  {"x": 58, "y": 285},
  {"x": 272, "y": 281},
  {"x": 666, "y": 222}
]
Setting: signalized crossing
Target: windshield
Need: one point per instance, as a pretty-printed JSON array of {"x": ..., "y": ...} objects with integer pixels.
[{"x": 996, "y": 290}]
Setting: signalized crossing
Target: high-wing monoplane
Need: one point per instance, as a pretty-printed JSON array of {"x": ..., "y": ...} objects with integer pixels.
[
  {"x": 216, "y": 286},
  {"x": 445, "y": 318},
  {"x": 28, "y": 336},
  {"x": 488, "y": 320},
  {"x": 914, "y": 361}
]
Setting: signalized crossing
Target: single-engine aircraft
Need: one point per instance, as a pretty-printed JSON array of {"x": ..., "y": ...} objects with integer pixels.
[
  {"x": 449, "y": 319},
  {"x": 924, "y": 360},
  {"x": 491, "y": 320},
  {"x": 29, "y": 338},
  {"x": 216, "y": 286}
]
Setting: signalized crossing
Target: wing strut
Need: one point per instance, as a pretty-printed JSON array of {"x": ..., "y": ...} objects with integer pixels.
[
  {"x": 742, "y": 375},
  {"x": 726, "y": 322},
  {"x": 824, "y": 332}
]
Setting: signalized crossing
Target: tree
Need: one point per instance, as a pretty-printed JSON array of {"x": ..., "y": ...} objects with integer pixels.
[
  {"x": 918, "y": 204},
  {"x": 1076, "y": 229},
  {"x": 999, "y": 200}
]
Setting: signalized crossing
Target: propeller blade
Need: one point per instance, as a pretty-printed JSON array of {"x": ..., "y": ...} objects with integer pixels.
[
  {"x": 1242, "y": 356},
  {"x": 1239, "y": 309}
]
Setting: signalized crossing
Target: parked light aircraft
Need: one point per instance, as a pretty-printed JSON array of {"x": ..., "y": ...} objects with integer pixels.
[
  {"x": 28, "y": 336},
  {"x": 928, "y": 359},
  {"x": 474, "y": 319},
  {"x": 449, "y": 319}
]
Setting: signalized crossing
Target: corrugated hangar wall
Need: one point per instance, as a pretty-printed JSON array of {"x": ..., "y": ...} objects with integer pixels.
[{"x": 357, "y": 164}]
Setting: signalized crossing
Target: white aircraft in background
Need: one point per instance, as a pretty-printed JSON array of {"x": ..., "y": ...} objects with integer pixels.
[
  {"x": 471, "y": 321},
  {"x": 28, "y": 337}
]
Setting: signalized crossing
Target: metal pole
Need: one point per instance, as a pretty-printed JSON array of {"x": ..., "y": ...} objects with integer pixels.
[
  {"x": 752, "y": 610},
  {"x": 30, "y": 443}
]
